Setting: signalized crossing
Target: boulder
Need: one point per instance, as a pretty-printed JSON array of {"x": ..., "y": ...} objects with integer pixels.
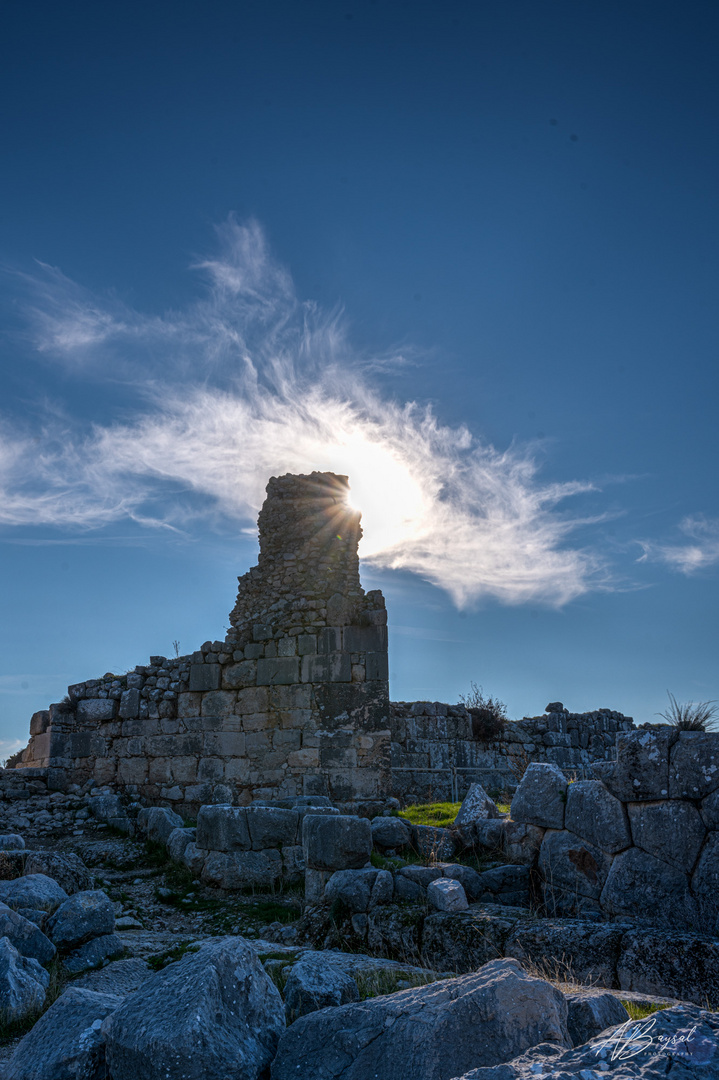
[
  {"x": 194, "y": 858},
  {"x": 66, "y": 1043},
  {"x": 540, "y": 797},
  {"x": 389, "y": 833},
  {"x": 710, "y": 811},
  {"x": 521, "y": 842},
  {"x": 680, "y": 1042},
  {"x": 428, "y": 1033},
  {"x": 83, "y": 916},
  {"x": 705, "y": 885},
  {"x": 671, "y": 830},
  {"x": 394, "y": 929},
  {"x": 111, "y": 810},
  {"x": 568, "y": 949},
  {"x": 351, "y": 888},
  {"x": 223, "y": 828},
  {"x": 464, "y": 941},
  {"x": 339, "y": 842},
  {"x": 242, "y": 869},
  {"x": 33, "y": 916},
  {"x": 597, "y": 816},
  {"x": 215, "y": 1013},
  {"x": 11, "y": 842},
  {"x": 489, "y": 834},
  {"x": 159, "y": 823},
  {"x": 93, "y": 953},
  {"x": 446, "y": 894},
  {"x": 469, "y": 879},
  {"x": 23, "y": 984},
  {"x": 271, "y": 826},
  {"x": 505, "y": 885},
  {"x": 68, "y": 870},
  {"x": 122, "y": 977},
  {"x": 293, "y": 863},
  {"x": 433, "y": 843},
  {"x": 590, "y": 1014},
  {"x": 476, "y": 806},
  {"x": 641, "y": 771},
  {"x": 177, "y": 843},
  {"x": 671, "y": 964},
  {"x": 35, "y": 891},
  {"x": 694, "y": 765},
  {"x": 383, "y": 889},
  {"x": 25, "y": 936},
  {"x": 571, "y": 866},
  {"x": 422, "y": 875},
  {"x": 406, "y": 889},
  {"x": 641, "y": 886},
  {"x": 316, "y": 983}
]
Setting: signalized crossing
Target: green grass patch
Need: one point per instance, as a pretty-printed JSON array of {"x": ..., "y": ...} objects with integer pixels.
[
  {"x": 169, "y": 956},
  {"x": 439, "y": 814},
  {"x": 641, "y": 1012}
]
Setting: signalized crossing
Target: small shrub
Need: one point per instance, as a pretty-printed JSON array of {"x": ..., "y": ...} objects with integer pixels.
[
  {"x": 489, "y": 715},
  {"x": 641, "y": 1012},
  {"x": 691, "y": 716},
  {"x": 439, "y": 814}
]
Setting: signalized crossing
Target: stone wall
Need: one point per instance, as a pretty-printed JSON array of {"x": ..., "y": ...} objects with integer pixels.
[
  {"x": 294, "y": 700},
  {"x": 436, "y": 755},
  {"x": 640, "y": 841}
]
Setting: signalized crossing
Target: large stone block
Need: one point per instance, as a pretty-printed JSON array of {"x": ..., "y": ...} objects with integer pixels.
[
  {"x": 641, "y": 771},
  {"x": 239, "y": 676},
  {"x": 572, "y": 865},
  {"x": 159, "y": 822},
  {"x": 597, "y": 816},
  {"x": 219, "y": 703},
  {"x": 278, "y": 670},
  {"x": 678, "y": 965},
  {"x": 476, "y": 806},
  {"x": 428, "y": 1033},
  {"x": 83, "y": 916},
  {"x": 332, "y": 667},
  {"x": 129, "y": 704},
  {"x": 340, "y": 842},
  {"x": 571, "y": 949},
  {"x": 36, "y": 891},
  {"x": 590, "y": 1014},
  {"x": 23, "y": 984},
  {"x": 671, "y": 830},
  {"x": 694, "y": 765},
  {"x": 205, "y": 677},
  {"x": 271, "y": 827},
  {"x": 376, "y": 667},
  {"x": 223, "y": 828},
  {"x": 705, "y": 885},
  {"x": 94, "y": 710},
  {"x": 25, "y": 936},
  {"x": 640, "y": 885},
  {"x": 235, "y": 870},
  {"x": 317, "y": 983},
  {"x": 352, "y": 888},
  {"x": 540, "y": 797}
]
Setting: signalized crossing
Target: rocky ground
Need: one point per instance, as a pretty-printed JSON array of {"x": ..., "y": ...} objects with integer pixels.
[{"x": 170, "y": 923}]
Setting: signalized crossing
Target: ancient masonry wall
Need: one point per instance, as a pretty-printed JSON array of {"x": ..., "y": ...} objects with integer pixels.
[
  {"x": 436, "y": 756},
  {"x": 293, "y": 701}
]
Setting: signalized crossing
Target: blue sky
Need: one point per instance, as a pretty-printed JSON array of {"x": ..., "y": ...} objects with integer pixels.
[{"x": 465, "y": 252}]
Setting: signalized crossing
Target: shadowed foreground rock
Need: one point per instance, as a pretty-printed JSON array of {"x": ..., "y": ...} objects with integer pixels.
[
  {"x": 66, "y": 1043},
  {"x": 214, "y": 1015},
  {"x": 432, "y": 1033},
  {"x": 682, "y": 1043}
]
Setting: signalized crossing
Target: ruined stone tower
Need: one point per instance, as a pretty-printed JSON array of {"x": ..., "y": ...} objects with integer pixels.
[{"x": 294, "y": 701}]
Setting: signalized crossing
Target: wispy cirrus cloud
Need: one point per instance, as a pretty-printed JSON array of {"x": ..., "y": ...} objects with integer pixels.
[
  {"x": 249, "y": 381},
  {"x": 699, "y": 551}
]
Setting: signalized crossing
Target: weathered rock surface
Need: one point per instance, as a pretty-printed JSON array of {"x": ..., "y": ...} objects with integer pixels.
[
  {"x": 672, "y": 830},
  {"x": 595, "y": 815},
  {"x": 540, "y": 797},
  {"x": 641, "y": 886},
  {"x": 316, "y": 983},
  {"x": 11, "y": 842},
  {"x": 568, "y": 948},
  {"x": 158, "y": 822},
  {"x": 215, "y": 1013},
  {"x": 590, "y": 1014},
  {"x": 505, "y": 885},
  {"x": 352, "y": 888},
  {"x": 66, "y": 1043},
  {"x": 25, "y": 935},
  {"x": 390, "y": 833},
  {"x": 122, "y": 977},
  {"x": 336, "y": 842},
  {"x": 641, "y": 771},
  {"x": 684, "y": 966},
  {"x": 33, "y": 891},
  {"x": 446, "y": 894},
  {"x": 694, "y": 765},
  {"x": 23, "y": 983},
  {"x": 177, "y": 843},
  {"x": 223, "y": 828},
  {"x": 68, "y": 870},
  {"x": 93, "y": 953},
  {"x": 571, "y": 868},
  {"x": 680, "y": 1042},
  {"x": 705, "y": 885},
  {"x": 464, "y": 941},
  {"x": 430, "y": 1033},
  {"x": 476, "y": 806},
  {"x": 433, "y": 843},
  {"x": 83, "y": 916},
  {"x": 242, "y": 869}
]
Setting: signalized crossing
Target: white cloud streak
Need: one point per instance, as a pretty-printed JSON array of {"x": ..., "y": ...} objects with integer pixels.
[
  {"x": 249, "y": 382},
  {"x": 700, "y": 552}
]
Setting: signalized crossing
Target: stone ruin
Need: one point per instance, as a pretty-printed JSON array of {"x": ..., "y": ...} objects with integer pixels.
[{"x": 295, "y": 699}]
